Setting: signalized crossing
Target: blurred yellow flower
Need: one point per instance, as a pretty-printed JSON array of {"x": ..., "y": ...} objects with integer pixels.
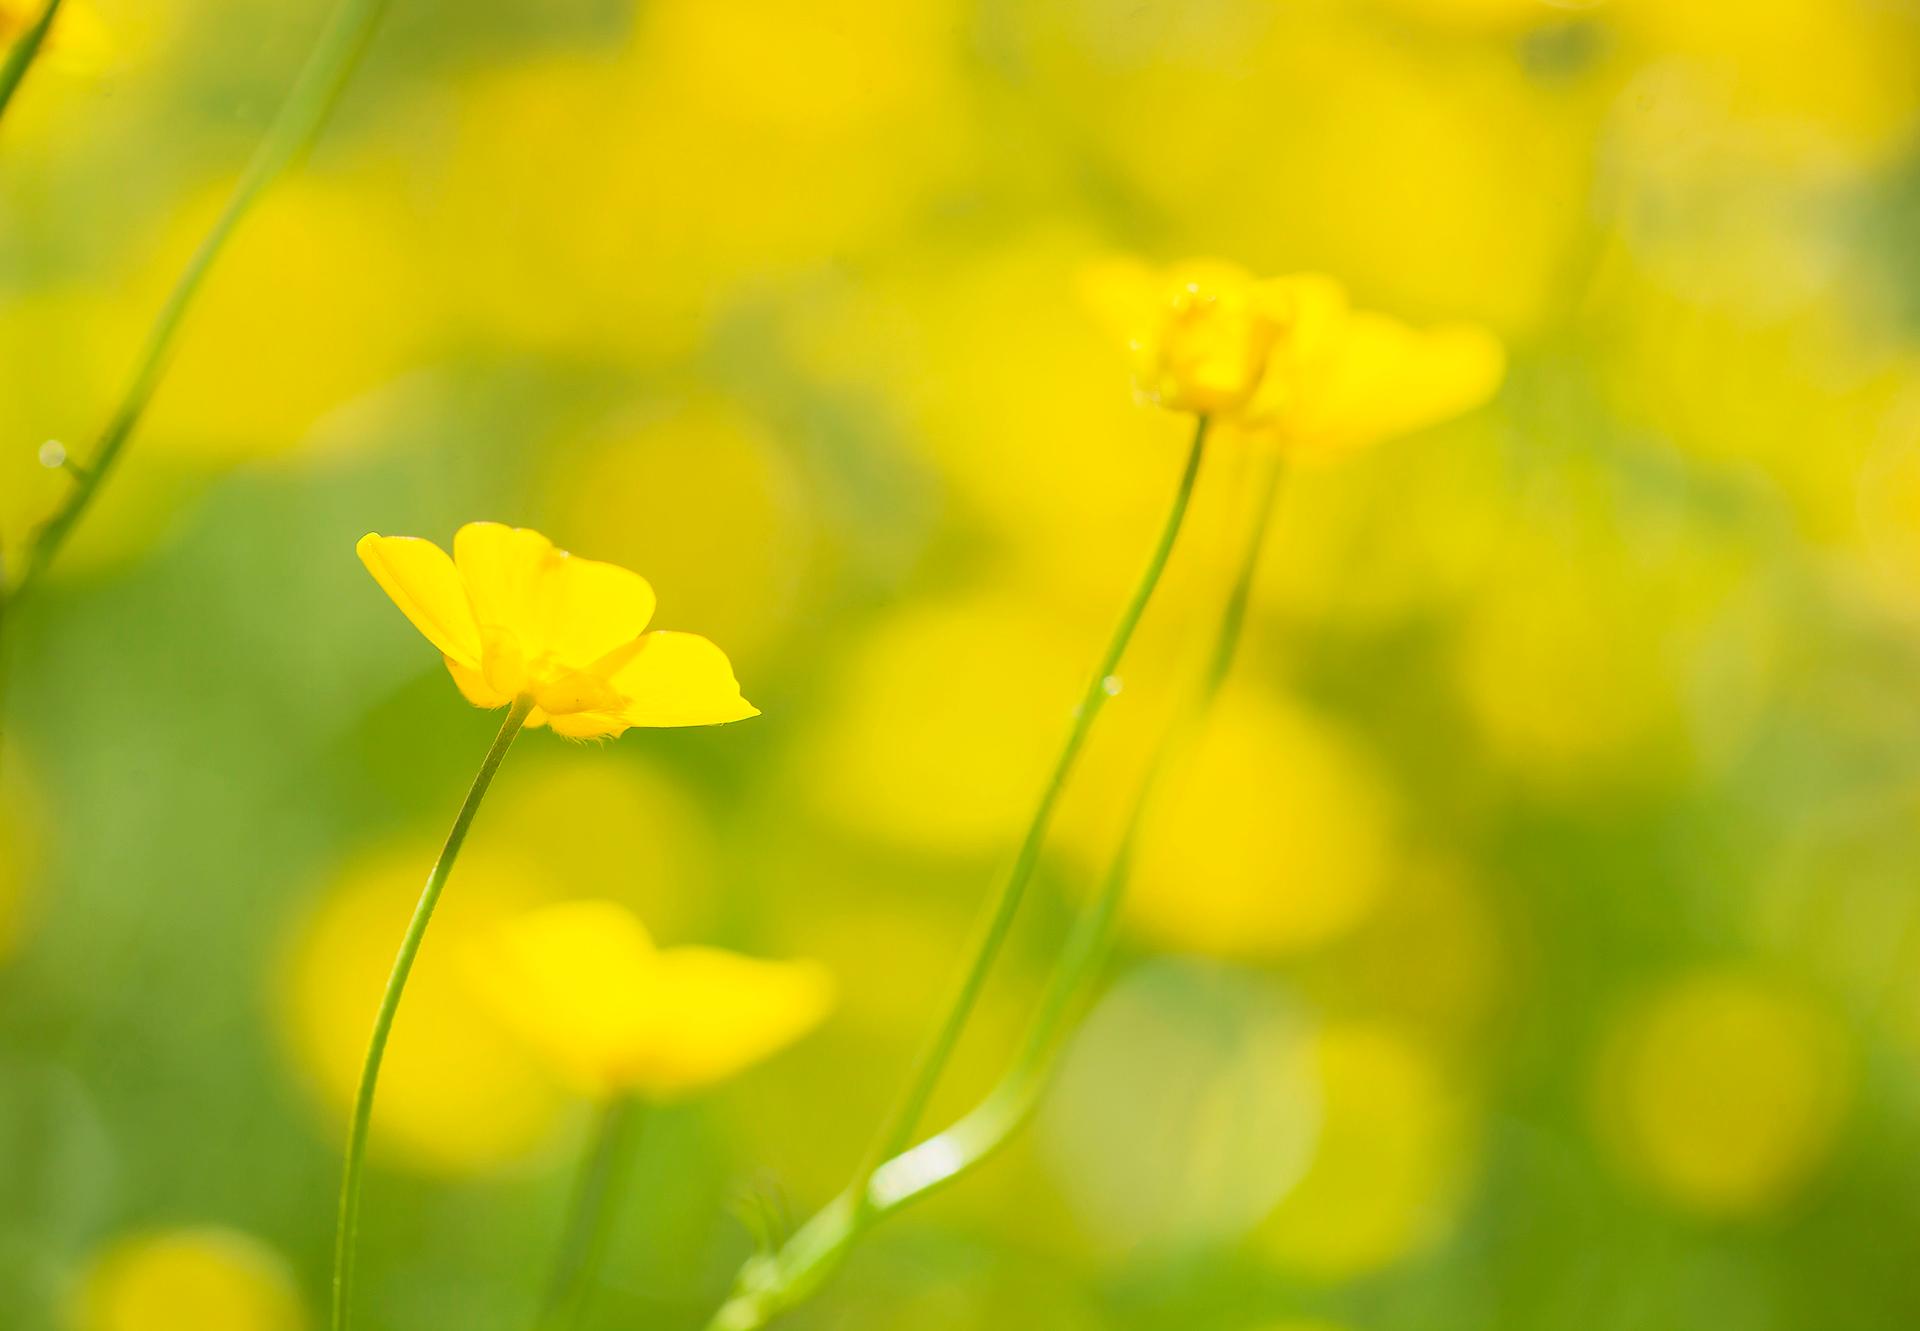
[
  {"x": 1202, "y": 332},
  {"x": 515, "y": 617},
  {"x": 457, "y": 1097},
  {"x": 1287, "y": 358},
  {"x": 583, "y": 982},
  {"x": 650, "y": 488},
  {"x": 208, "y": 1279},
  {"x": 904, "y": 758},
  {"x": 1724, "y": 1091}
]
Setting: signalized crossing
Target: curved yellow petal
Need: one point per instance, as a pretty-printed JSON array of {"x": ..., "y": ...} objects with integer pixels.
[
  {"x": 555, "y": 605},
  {"x": 423, "y": 582},
  {"x": 474, "y": 687},
  {"x": 501, "y": 566},
  {"x": 587, "y": 725},
  {"x": 679, "y": 679},
  {"x": 570, "y": 980},
  {"x": 713, "y": 1014},
  {"x": 585, "y": 609},
  {"x": 1389, "y": 379},
  {"x": 583, "y": 983}
]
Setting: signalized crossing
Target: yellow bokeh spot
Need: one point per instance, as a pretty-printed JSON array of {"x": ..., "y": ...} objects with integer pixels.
[
  {"x": 1273, "y": 836},
  {"x": 457, "y": 1095},
  {"x": 946, "y": 719},
  {"x": 1385, "y": 1178},
  {"x": 188, "y": 1280},
  {"x": 656, "y": 493},
  {"x": 316, "y": 302},
  {"x": 613, "y": 204},
  {"x": 605, "y": 826},
  {"x": 1000, "y": 377},
  {"x": 1724, "y": 1091}
]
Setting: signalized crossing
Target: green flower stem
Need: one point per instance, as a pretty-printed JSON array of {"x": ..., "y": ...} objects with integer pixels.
[
  {"x": 298, "y": 122},
  {"x": 25, "y": 47},
  {"x": 947, "y": 1155},
  {"x": 596, "y": 1201},
  {"x": 351, "y": 1177},
  {"x": 772, "y": 1283},
  {"x": 932, "y": 1063}
]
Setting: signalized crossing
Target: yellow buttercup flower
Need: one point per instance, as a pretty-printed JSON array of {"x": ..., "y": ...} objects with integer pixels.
[
  {"x": 514, "y": 617},
  {"x": 584, "y": 984},
  {"x": 1202, "y": 332},
  {"x": 1288, "y": 359}
]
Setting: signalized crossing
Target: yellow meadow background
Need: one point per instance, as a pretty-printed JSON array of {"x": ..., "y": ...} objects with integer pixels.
[{"x": 1533, "y": 943}]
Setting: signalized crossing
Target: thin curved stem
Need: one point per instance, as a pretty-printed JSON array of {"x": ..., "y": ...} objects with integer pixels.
[
  {"x": 772, "y": 1283},
  {"x": 596, "y": 1200},
  {"x": 352, "y": 1175},
  {"x": 932, "y": 1062},
  {"x": 945, "y": 1156},
  {"x": 301, "y": 116},
  {"x": 26, "y": 47}
]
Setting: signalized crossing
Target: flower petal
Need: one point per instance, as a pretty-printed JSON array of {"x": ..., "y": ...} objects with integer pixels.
[
  {"x": 501, "y": 566},
  {"x": 569, "y": 979},
  {"x": 679, "y": 679},
  {"x": 588, "y": 725},
  {"x": 712, "y": 1014},
  {"x": 555, "y": 604},
  {"x": 474, "y": 687},
  {"x": 584, "y": 609},
  {"x": 1389, "y": 379},
  {"x": 423, "y": 582}
]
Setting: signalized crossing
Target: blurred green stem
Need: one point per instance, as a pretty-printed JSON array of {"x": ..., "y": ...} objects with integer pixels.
[
  {"x": 772, "y": 1283},
  {"x": 596, "y": 1201},
  {"x": 25, "y": 48},
  {"x": 294, "y": 128},
  {"x": 351, "y": 1176}
]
